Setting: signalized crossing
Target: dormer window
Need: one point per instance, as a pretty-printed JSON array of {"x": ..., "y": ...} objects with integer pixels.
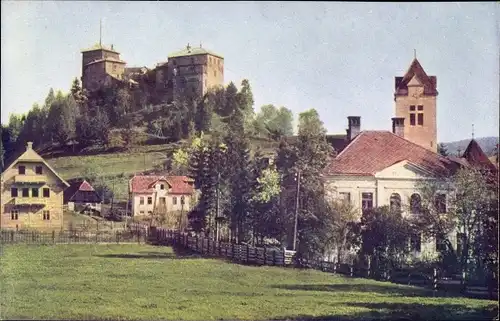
[
  {"x": 22, "y": 170},
  {"x": 162, "y": 186}
]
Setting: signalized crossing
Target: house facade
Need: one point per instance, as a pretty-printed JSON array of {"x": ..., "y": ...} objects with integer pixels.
[
  {"x": 149, "y": 193},
  {"x": 80, "y": 196},
  {"x": 31, "y": 194}
]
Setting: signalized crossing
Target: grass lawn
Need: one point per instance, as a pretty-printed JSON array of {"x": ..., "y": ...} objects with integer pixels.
[{"x": 152, "y": 283}]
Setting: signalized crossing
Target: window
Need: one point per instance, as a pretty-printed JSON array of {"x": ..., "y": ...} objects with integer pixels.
[
  {"x": 415, "y": 243},
  {"x": 141, "y": 212},
  {"x": 420, "y": 107},
  {"x": 38, "y": 170},
  {"x": 174, "y": 200},
  {"x": 395, "y": 202},
  {"x": 412, "y": 119},
  {"x": 22, "y": 170},
  {"x": 150, "y": 212},
  {"x": 412, "y": 108},
  {"x": 14, "y": 215},
  {"x": 162, "y": 186},
  {"x": 141, "y": 200},
  {"x": 366, "y": 200},
  {"x": 13, "y": 192},
  {"x": 163, "y": 201},
  {"x": 34, "y": 192},
  {"x": 420, "y": 119},
  {"x": 46, "y": 192},
  {"x": 440, "y": 203},
  {"x": 345, "y": 197},
  {"x": 440, "y": 244},
  {"x": 150, "y": 200},
  {"x": 415, "y": 203},
  {"x": 46, "y": 215},
  {"x": 182, "y": 200},
  {"x": 26, "y": 192}
]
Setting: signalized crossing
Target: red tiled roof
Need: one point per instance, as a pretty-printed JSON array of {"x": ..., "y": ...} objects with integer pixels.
[
  {"x": 373, "y": 151},
  {"x": 177, "y": 184}
]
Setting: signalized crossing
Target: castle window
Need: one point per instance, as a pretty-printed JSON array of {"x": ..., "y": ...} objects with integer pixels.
[
  {"x": 13, "y": 192},
  {"x": 46, "y": 215},
  {"x": 420, "y": 107},
  {"x": 412, "y": 108},
  {"x": 21, "y": 170},
  {"x": 412, "y": 119},
  {"x": 420, "y": 119}
]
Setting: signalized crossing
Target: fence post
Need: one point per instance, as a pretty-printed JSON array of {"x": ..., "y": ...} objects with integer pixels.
[
  {"x": 274, "y": 257},
  {"x": 12, "y": 236},
  {"x": 53, "y": 237},
  {"x": 464, "y": 282},
  {"x": 351, "y": 271},
  {"x": 248, "y": 253},
  {"x": 369, "y": 267},
  {"x": 117, "y": 237},
  {"x": 491, "y": 286},
  {"x": 435, "y": 281},
  {"x": 197, "y": 250},
  {"x": 265, "y": 256},
  {"x": 335, "y": 267},
  {"x": 218, "y": 243}
]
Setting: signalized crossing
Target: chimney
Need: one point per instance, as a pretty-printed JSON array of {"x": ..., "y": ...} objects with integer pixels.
[
  {"x": 398, "y": 126},
  {"x": 29, "y": 146},
  {"x": 354, "y": 126}
]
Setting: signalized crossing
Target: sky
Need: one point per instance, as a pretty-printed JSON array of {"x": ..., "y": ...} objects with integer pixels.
[{"x": 337, "y": 57}]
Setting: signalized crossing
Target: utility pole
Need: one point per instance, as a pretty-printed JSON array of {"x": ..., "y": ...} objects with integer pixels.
[{"x": 296, "y": 212}]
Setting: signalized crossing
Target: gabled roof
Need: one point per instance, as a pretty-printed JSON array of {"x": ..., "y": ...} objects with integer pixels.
[
  {"x": 31, "y": 156},
  {"x": 476, "y": 157},
  {"x": 193, "y": 51},
  {"x": 372, "y": 151},
  {"x": 415, "y": 69},
  {"x": 145, "y": 184},
  {"x": 81, "y": 190}
]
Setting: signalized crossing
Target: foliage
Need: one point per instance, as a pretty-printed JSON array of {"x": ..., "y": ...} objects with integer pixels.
[
  {"x": 442, "y": 149},
  {"x": 344, "y": 230},
  {"x": 268, "y": 185},
  {"x": 274, "y": 123}
]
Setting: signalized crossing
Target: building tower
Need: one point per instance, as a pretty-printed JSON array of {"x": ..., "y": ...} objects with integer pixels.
[
  {"x": 191, "y": 71},
  {"x": 101, "y": 66},
  {"x": 415, "y": 97}
]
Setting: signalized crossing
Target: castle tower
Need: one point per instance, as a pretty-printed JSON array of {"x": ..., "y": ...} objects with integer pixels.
[
  {"x": 101, "y": 66},
  {"x": 415, "y": 97},
  {"x": 191, "y": 71}
]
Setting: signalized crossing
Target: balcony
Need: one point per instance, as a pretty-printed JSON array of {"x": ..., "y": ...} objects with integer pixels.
[
  {"x": 30, "y": 201},
  {"x": 29, "y": 179}
]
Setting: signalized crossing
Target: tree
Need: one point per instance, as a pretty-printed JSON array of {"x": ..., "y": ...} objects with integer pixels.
[
  {"x": 442, "y": 150},
  {"x": 343, "y": 228},
  {"x": 78, "y": 94},
  {"x": 15, "y": 126},
  {"x": 274, "y": 122},
  {"x": 62, "y": 118},
  {"x": 245, "y": 104},
  {"x": 466, "y": 197},
  {"x": 384, "y": 234}
]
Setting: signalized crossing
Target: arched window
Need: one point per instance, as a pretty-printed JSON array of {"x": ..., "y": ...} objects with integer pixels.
[
  {"x": 395, "y": 202},
  {"x": 415, "y": 204}
]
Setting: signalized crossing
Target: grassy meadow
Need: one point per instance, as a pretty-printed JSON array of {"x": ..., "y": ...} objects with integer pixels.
[{"x": 143, "y": 282}]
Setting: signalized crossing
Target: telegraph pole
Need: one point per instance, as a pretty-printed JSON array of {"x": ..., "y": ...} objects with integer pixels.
[
  {"x": 217, "y": 210},
  {"x": 296, "y": 212}
]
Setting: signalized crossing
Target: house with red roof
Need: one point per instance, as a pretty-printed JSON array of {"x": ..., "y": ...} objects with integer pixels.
[
  {"x": 149, "y": 193},
  {"x": 378, "y": 168},
  {"x": 81, "y": 196}
]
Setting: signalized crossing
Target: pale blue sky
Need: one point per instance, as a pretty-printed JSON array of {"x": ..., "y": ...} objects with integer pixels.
[{"x": 340, "y": 58}]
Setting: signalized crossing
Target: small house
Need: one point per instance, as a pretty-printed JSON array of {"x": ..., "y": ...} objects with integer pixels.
[{"x": 80, "y": 196}]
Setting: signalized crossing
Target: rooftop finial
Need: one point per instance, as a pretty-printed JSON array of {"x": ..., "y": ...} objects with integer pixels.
[
  {"x": 188, "y": 47},
  {"x": 472, "y": 131},
  {"x": 415, "y": 53}
]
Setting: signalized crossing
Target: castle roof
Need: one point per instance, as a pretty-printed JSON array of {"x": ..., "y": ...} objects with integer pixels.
[
  {"x": 193, "y": 51},
  {"x": 99, "y": 46},
  {"x": 416, "y": 70}
]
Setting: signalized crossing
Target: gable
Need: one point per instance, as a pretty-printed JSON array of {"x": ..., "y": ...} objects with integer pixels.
[
  {"x": 404, "y": 170},
  {"x": 415, "y": 81}
]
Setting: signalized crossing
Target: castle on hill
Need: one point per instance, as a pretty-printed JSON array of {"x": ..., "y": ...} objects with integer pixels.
[{"x": 192, "y": 70}]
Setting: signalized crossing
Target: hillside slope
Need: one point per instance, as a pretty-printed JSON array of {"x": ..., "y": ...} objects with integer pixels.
[{"x": 487, "y": 144}]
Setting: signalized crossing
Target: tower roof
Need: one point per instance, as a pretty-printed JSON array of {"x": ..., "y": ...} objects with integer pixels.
[
  {"x": 193, "y": 51},
  {"x": 416, "y": 69},
  {"x": 476, "y": 157},
  {"x": 98, "y": 46}
]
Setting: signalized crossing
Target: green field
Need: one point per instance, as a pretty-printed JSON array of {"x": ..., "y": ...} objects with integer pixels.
[{"x": 151, "y": 283}]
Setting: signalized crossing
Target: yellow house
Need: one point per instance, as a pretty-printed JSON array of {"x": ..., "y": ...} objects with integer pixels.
[{"x": 31, "y": 194}]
